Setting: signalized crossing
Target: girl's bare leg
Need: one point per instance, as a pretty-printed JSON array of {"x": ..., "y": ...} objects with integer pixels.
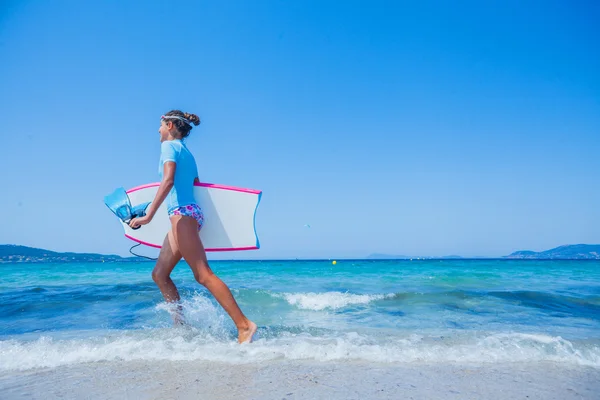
[
  {"x": 167, "y": 260},
  {"x": 185, "y": 230}
]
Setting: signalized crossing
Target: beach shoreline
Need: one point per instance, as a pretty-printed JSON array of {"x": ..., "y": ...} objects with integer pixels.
[
  {"x": 302, "y": 380},
  {"x": 377, "y": 330}
]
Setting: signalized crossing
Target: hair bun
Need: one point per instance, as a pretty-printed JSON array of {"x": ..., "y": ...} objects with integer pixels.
[{"x": 193, "y": 118}]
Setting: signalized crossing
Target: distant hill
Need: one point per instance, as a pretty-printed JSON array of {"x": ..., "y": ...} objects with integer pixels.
[
  {"x": 15, "y": 253},
  {"x": 566, "y": 252}
]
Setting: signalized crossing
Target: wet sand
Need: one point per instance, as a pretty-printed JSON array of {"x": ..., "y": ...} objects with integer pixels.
[{"x": 302, "y": 380}]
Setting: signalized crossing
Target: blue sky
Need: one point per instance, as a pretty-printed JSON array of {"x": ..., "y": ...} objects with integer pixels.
[{"x": 421, "y": 128}]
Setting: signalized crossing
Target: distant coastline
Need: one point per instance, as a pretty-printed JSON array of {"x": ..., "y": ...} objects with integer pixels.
[
  {"x": 379, "y": 256},
  {"x": 10, "y": 253},
  {"x": 566, "y": 252}
]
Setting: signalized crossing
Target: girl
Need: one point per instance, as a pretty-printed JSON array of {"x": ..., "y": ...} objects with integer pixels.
[{"x": 178, "y": 173}]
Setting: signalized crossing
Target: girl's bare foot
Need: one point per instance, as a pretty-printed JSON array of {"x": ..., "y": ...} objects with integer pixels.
[
  {"x": 245, "y": 334},
  {"x": 177, "y": 315},
  {"x": 178, "y": 320}
]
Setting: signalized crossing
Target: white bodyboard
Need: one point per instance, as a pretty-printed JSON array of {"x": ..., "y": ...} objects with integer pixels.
[{"x": 229, "y": 217}]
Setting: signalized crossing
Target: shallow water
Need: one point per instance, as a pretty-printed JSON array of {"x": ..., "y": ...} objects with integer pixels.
[{"x": 481, "y": 311}]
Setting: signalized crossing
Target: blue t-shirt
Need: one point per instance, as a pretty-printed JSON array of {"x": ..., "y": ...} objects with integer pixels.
[{"x": 186, "y": 171}]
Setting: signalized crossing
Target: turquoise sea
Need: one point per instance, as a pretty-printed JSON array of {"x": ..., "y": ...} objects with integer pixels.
[{"x": 432, "y": 311}]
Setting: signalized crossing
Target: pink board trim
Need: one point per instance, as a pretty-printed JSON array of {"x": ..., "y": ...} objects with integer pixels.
[
  {"x": 201, "y": 184},
  {"x": 208, "y": 249}
]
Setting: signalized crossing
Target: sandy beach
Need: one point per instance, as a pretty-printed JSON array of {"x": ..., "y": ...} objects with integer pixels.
[{"x": 302, "y": 380}]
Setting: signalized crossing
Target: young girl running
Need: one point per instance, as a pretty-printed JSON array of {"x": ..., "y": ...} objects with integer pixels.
[{"x": 178, "y": 173}]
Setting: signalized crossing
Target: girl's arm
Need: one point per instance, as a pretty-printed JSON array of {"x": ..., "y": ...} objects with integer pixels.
[{"x": 163, "y": 190}]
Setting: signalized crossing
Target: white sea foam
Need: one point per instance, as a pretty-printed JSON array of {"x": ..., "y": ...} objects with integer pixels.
[
  {"x": 328, "y": 300},
  {"x": 181, "y": 344}
]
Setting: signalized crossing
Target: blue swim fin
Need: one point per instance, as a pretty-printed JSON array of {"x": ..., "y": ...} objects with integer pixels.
[{"x": 120, "y": 204}]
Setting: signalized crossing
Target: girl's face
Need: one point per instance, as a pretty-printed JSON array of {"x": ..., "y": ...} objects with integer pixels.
[{"x": 165, "y": 129}]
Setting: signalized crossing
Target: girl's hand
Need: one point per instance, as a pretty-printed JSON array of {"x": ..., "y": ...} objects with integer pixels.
[{"x": 137, "y": 222}]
